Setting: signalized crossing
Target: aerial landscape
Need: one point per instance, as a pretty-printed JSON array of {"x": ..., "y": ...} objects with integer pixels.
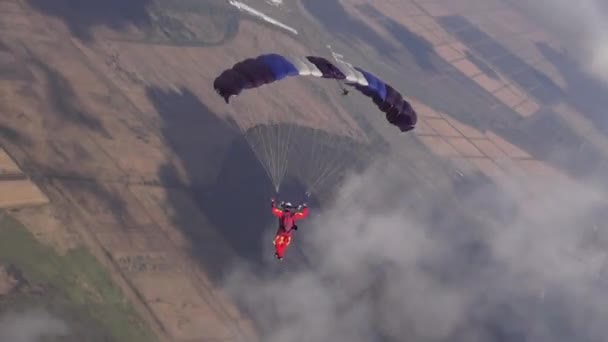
[{"x": 135, "y": 202}]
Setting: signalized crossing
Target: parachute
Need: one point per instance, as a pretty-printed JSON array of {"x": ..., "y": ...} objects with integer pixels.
[
  {"x": 316, "y": 157},
  {"x": 264, "y": 69}
]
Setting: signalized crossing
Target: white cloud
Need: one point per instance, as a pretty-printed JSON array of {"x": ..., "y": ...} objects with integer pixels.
[
  {"x": 581, "y": 25},
  {"x": 385, "y": 265}
]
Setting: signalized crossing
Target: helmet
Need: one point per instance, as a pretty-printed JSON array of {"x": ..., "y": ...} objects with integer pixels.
[{"x": 288, "y": 205}]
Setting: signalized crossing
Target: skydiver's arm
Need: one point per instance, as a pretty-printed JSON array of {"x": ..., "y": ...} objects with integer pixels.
[
  {"x": 275, "y": 211},
  {"x": 302, "y": 213}
]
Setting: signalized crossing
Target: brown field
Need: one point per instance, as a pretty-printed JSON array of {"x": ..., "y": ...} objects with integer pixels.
[
  {"x": 118, "y": 129},
  {"x": 15, "y": 189}
]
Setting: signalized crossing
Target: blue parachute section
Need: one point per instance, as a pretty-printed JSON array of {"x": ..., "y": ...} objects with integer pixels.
[
  {"x": 279, "y": 66},
  {"x": 374, "y": 85}
]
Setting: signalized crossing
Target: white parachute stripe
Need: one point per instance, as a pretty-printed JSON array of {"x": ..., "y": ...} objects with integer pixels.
[
  {"x": 352, "y": 74},
  {"x": 347, "y": 71},
  {"x": 305, "y": 68},
  {"x": 360, "y": 78},
  {"x": 314, "y": 70}
]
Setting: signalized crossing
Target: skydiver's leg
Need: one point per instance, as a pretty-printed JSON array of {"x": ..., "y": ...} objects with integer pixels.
[{"x": 279, "y": 248}]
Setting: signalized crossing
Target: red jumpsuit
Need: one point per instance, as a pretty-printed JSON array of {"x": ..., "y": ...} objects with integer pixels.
[{"x": 287, "y": 219}]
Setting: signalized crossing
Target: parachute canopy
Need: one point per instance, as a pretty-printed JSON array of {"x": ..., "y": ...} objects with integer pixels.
[{"x": 264, "y": 69}]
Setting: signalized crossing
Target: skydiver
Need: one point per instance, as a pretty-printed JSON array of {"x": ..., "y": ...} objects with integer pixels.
[{"x": 287, "y": 215}]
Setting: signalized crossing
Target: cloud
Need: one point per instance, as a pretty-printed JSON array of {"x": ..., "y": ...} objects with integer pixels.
[
  {"x": 581, "y": 25},
  {"x": 390, "y": 259},
  {"x": 30, "y": 326}
]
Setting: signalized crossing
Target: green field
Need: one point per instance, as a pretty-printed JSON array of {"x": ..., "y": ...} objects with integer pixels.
[{"x": 73, "y": 287}]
